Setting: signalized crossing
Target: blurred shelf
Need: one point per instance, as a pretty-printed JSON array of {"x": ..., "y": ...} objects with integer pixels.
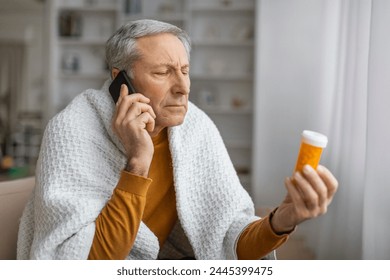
[
  {"x": 162, "y": 17},
  {"x": 85, "y": 76},
  {"x": 89, "y": 9},
  {"x": 237, "y": 144},
  {"x": 227, "y": 110},
  {"x": 224, "y": 43},
  {"x": 245, "y": 179},
  {"x": 222, "y": 77},
  {"x": 81, "y": 42},
  {"x": 222, "y": 9}
]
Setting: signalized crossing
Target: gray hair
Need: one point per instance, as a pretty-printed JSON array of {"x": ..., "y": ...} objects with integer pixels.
[{"x": 121, "y": 49}]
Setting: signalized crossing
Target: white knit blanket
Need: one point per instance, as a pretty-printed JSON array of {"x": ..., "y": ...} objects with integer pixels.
[{"x": 79, "y": 166}]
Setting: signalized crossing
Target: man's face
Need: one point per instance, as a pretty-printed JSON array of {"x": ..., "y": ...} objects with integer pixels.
[{"x": 162, "y": 75}]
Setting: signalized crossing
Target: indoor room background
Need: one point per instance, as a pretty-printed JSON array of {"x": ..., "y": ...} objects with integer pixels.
[{"x": 263, "y": 70}]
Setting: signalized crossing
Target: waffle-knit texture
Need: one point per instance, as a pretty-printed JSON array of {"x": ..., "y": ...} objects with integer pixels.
[{"x": 79, "y": 166}]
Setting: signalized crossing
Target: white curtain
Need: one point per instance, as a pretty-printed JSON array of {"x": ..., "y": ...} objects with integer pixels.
[
  {"x": 376, "y": 218},
  {"x": 324, "y": 65}
]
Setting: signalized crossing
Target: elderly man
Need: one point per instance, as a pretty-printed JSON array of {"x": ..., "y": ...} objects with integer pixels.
[{"x": 149, "y": 177}]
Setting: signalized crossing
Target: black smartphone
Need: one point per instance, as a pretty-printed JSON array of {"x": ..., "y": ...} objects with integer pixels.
[{"x": 115, "y": 87}]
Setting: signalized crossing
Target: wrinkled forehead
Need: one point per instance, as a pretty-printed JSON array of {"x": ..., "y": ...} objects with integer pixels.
[{"x": 162, "y": 48}]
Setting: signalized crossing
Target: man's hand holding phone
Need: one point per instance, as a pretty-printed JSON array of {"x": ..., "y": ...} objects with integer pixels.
[{"x": 133, "y": 120}]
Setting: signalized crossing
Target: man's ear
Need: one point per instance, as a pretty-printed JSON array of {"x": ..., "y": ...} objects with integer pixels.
[{"x": 114, "y": 72}]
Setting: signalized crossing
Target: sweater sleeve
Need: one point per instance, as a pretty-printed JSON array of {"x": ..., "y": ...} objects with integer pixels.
[
  {"x": 258, "y": 240},
  {"x": 118, "y": 223}
]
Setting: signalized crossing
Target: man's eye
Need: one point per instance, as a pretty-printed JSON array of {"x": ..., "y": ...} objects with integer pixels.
[{"x": 162, "y": 73}]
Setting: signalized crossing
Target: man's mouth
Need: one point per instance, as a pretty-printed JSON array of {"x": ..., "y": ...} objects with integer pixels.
[{"x": 175, "y": 105}]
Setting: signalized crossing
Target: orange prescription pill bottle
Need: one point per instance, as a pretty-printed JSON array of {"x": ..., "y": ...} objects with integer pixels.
[{"x": 312, "y": 144}]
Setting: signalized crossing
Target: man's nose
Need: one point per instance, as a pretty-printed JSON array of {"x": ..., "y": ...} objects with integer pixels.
[{"x": 182, "y": 84}]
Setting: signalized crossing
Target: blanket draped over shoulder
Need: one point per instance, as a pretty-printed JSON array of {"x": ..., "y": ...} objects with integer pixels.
[{"x": 79, "y": 166}]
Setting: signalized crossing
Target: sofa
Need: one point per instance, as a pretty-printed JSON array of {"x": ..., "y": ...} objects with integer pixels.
[{"x": 13, "y": 198}]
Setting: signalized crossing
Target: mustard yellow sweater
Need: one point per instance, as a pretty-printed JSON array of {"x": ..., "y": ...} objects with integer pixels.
[{"x": 152, "y": 200}]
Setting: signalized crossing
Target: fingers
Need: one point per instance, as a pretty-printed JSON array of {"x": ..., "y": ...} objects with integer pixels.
[
  {"x": 294, "y": 193},
  {"x": 139, "y": 116},
  {"x": 299, "y": 212},
  {"x": 318, "y": 185},
  {"x": 316, "y": 188},
  {"x": 148, "y": 121},
  {"x": 124, "y": 92},
  {"x": 329, "y": 180},
  {"x": 307, "y": 191},
  {"x": 125, "y": 100},
  {"x": 130, "y": 107}
]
